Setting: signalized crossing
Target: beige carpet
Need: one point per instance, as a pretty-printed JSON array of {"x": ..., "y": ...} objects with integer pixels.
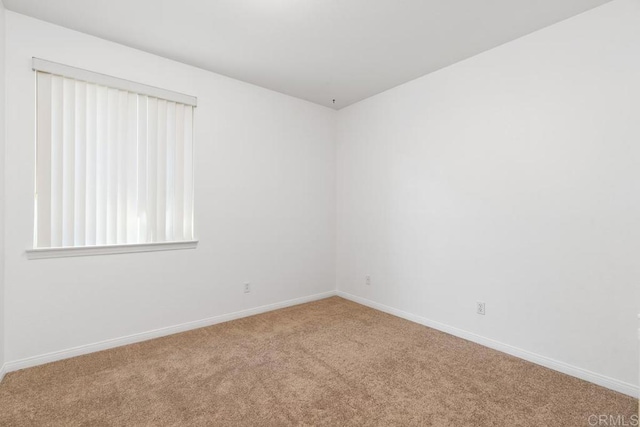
[{"x": 331, "y": 362}]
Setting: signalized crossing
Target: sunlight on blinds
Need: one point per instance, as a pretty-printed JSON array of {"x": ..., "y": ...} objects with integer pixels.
[{"x": 113, "y": 166}]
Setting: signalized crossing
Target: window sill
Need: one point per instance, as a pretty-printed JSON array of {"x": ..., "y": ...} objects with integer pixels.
[{"x": 41, "y": 253}]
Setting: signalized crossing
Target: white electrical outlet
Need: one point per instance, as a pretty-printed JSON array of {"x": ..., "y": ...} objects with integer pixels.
[
  {"x": 481, "y": 308},
  {"x": 247, "y": 287},
  {"x": 367, "y": 280}
]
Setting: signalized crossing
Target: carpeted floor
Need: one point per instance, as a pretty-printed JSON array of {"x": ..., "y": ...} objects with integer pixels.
[{"x": 330, "y": 362}]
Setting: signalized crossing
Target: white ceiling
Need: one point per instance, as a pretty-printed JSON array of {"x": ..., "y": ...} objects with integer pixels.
[{"x": 312, "y": 49}]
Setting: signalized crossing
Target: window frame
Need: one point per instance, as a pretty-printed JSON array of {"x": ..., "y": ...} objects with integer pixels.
[{"x": 41, "y": 65}]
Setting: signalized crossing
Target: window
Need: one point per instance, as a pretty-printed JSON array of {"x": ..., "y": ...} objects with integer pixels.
[{"x": 114, "y": 164}]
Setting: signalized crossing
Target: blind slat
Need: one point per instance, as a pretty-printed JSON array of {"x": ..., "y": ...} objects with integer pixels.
[
  {"x": 80, "y": 207},
  {"x": 68, "y": 163},
  {"x": 131, "y": 148},
  {"x": 142, "y": 169},
  {"x": 112, "y": 167},
  {"x": 152, "y": 170},
  {"x": 170, "y": 171},
  {"x": 178, "y": 215},
  {"x": 102, "y": 164},
  {"x": 56, "y": 161},
  {"x": 188, "y": 173},
  {"x": 121, "y": 191},
  {"x": 91, "y": 164},
  {"x": 43, "y": 171},
  {"x": 162, "y": 172}
]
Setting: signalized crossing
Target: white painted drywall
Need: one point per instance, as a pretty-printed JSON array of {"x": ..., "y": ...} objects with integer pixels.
[
  {"x": 511, "y": 178},
  {"x": 265, "y": 206},
  {"x": 2, "y": 167}
]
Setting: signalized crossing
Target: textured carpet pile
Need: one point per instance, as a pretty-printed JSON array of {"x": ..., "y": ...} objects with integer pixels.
[{"x": 330, "y": 362}]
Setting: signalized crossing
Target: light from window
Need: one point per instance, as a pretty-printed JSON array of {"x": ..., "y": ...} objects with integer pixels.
[{"x": 114, "y": 166}]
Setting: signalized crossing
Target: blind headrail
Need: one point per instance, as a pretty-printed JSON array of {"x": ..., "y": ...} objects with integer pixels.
[{"x": 50, "y": 67}]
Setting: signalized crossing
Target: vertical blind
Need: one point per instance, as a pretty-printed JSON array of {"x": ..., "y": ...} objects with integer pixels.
[{"x": 113, "y": 166}]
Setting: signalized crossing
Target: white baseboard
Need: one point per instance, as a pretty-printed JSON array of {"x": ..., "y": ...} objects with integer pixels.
[
  {"x": 565, "y": 368},
  {"x": 144, "y": 336},
  {"x": 3, "y": 371}
]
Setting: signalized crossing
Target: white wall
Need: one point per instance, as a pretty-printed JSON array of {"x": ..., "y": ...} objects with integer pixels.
[
  {"x": 511, "y": 178},
  {"x": 265, "y": 206},
  {"x": 2, "y": 167}
]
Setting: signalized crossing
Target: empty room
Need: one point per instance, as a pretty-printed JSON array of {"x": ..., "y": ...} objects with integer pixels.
[{"x": 319, "y": 213}]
